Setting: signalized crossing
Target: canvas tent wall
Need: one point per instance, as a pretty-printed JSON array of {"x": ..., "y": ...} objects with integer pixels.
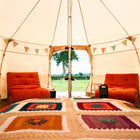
[{"x": 104, "y": 25}]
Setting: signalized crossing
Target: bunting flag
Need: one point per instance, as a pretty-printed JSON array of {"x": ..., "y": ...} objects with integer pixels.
[
  {"x": 113, "y": 47},
  {"x": 6, "y": 41},
  {"x": 37, "y": 51},
  {"x": 26, "y": 48},
  {"x": 124, "y": 42},
  {"x": 46, "y": 50},
  {"x": 15, "y": 44},
  {"x": 103, "y": 50},
  {"x": 129, "y": 38},
  {"x": 94, "y": 49}
]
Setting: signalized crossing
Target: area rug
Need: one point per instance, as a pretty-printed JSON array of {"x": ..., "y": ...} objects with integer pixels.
[
  {"x": 97, "y": 106},
  {"x": 26, "y": 123},
  {"x": 129, "y": 106},
  {"x": 8, "y": 108},
  {"x": 109, "y": 122},
  {"x": 63, "y": 120},
  {"x": 42, "y": 106}
]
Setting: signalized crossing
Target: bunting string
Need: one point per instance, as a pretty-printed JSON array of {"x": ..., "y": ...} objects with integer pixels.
[
  {"x": 24, "y": 53},
  {"x": 116, "y": 52},
  {"x": 32, "y": 43},
  {"x": 124, "y": 42},
  {"x": 26, "y": 48},
  {"x": 134, "y": 36},
  {"x": 93, "y": 48}
]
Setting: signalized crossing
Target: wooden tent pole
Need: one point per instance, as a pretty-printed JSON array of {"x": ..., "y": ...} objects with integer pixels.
[
  {"x": 49, "y": 84},
  {"x": 138, "y": 57},
  {"x": 2, "y": 60},
  {"x": 7, "y": 43},
  {"x": 91, "y": 64},
  {"x": 69, "y": 46},
  {"x": 133, "y": 43}
]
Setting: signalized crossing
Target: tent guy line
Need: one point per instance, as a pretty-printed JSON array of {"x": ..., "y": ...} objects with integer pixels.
[{"x": 115, "y": 18}]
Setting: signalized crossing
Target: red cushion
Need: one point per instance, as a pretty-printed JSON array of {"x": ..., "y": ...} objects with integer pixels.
[
  {"x": 21, "y": 78},
  {"x": 122, "y": 80},
  {"x": 22, "y": 94},
  {"x": 128, "y": 94},
  {"x": 122, "y": 86},
  {"x": 25, "y": 85}
]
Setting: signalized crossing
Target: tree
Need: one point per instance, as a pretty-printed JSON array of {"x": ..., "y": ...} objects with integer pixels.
[
  {"x": 80, "y": 73},
  {"x": 62, "y": 57}
]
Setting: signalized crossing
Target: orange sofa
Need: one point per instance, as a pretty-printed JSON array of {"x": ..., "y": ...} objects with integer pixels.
[
  {"x": 25, "y": 85},
  {"x": 121, "y": 86}
]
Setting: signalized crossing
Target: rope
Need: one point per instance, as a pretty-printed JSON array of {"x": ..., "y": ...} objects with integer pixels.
[
  {"x": 5, "y": 50},
  {"x": 83, "y": 21},
  {"x": 123, "y": 29},
  {"x": 56, "y": 23},
  {"x": 32, "y": 43},
  {"x": 114, "y": 52},
  {"x": 25, "y": 18},
  {"x": 24, "y": 53},
  {"x": 114, "y": 17},
  {"x": 26, "y": 42},
  {"x": 93, "y": 54},
  {"x": 112, "y": 40}
]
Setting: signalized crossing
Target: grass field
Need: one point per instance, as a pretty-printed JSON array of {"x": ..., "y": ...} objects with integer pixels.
[{"x": 77, "y": 85}]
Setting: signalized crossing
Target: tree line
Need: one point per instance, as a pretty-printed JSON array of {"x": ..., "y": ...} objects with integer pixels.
[{"x": 79, "y": 76}]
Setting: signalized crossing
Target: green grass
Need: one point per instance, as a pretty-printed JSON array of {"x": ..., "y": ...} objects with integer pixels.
[{"x": 77, "y": 85}]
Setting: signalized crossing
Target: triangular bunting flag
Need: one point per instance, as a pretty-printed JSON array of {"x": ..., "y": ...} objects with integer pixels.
[
  {"x": 6, "y": 41},
  {"x": 113, "y": 47},
  {"x": 129, "y": 38},
  {"x": 37, "y": 51},
  {"x": 15, "y": 44},
  {"x": 94, "y": 49},
  {"x": 26, "y": 48},
  {"x": 103, "y": 50},
  {"x": 46, "y": 50},
  {"x": 124, "y": 42}
]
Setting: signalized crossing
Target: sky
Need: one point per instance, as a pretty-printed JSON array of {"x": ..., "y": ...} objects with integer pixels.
[{"x": 83, "y": 65}]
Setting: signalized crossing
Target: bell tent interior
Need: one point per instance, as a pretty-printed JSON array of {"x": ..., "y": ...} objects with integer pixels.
[{"x": 31, "y": 31}]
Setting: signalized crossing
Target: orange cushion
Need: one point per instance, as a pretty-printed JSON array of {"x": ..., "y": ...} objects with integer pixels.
[
  {"x": 23, "y": 86},
  {"x": 122, "y": 80},
  {"x": 22, "y": 94},
  {"x": 128, "y": 94},
  {"x": 21, "y": 78}
]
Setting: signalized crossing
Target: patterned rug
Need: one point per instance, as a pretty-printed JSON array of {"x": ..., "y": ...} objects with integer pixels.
[
  {"x": 8, "y": 108},
  {"x": 68, "y": 119},
  {"x": 87, "y": 98},
  {"x": 109, "y": 122},
  {"x": 97, "y": 106},
  {"x": 129, "y": 106},
  {"x": 41, "y": 106},
  {"x": 46, "y": 122}
]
